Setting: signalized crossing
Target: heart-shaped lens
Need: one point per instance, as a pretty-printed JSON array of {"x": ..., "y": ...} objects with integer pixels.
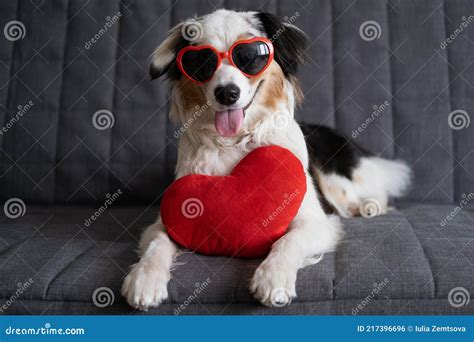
[
  {"x": 251, "y": 58},
  {"x": 199, "y": 64}
]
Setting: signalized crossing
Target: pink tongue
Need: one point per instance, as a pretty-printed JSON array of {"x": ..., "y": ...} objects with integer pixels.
[{"x": 228, "y": 122}]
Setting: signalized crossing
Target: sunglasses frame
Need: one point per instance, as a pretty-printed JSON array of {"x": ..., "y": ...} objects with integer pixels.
[{"x": 225, "y": 55}]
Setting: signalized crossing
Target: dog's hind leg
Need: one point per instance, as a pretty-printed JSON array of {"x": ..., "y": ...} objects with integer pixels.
[{"x": 352, "y": 180}]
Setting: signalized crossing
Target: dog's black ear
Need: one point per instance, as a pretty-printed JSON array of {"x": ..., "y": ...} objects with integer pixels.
[
  {"x": 163, "y": 59},
  {"x": 290, "y": 43}
]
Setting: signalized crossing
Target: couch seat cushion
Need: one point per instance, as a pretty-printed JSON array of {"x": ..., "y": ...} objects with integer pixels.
[{"x": 406, "y": 254}]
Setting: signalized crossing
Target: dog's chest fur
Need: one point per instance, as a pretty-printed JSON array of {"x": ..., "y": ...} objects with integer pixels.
[
  {"x": 210, "y": 160},
  {"x": 220, "y": 160}
]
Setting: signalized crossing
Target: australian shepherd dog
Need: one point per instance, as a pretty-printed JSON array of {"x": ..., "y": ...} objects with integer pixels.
[{"x": 239, "y": 69}]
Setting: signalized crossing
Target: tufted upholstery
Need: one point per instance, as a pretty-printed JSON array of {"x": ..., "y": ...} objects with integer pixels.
[
  {"x": 70, "y": 67},
  {"x": 55, "y": 155},
  {"x": 414, "y": 263}
]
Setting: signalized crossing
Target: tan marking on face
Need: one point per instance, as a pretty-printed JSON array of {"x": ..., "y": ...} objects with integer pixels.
[
  {"x": 191, "y": 94},
  {"x": 273, "y": 89}
]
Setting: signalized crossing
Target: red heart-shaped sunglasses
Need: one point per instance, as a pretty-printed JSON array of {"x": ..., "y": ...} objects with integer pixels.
[{"x": 250, "y": 56}]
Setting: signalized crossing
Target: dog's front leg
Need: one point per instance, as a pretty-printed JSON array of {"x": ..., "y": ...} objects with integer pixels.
[
  {"x": 146, "y": 284},
  {"x": 311, "y": 233}
]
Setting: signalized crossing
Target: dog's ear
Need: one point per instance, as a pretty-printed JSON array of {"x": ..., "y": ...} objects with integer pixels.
[
  {"x": 163, "y": 59},
  {"x": 290, "y": 43}
]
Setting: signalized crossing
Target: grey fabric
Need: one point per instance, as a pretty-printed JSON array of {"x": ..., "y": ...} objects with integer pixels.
[
  {"x": 333, "y": 307},
  {"x": 406, "y": 254},
  {"x": 55, "y": 155}
]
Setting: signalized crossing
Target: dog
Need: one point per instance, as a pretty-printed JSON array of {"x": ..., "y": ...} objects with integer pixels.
[{"x": 239, "y": 70}]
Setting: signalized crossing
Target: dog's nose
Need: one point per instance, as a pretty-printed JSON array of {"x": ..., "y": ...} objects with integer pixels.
[{"x": 227, "y": 95}]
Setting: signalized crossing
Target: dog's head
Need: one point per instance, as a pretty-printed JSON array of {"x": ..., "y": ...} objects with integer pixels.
[{"x": 229, "y": 101}]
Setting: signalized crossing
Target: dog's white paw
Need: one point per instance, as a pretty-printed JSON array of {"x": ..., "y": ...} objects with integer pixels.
[
  {"x": 145, "y": 288},
  {"x": 273, "y": 284}
]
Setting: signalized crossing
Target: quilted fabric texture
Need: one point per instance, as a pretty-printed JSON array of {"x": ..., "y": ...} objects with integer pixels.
[
  {"x": 54, "y": 154},
  {"x": 405, "y": 255},
  {"x": 82, "y": 125}
]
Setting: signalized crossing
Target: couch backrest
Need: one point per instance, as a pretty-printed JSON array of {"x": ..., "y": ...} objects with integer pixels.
[{"x": 382, "y": 71}]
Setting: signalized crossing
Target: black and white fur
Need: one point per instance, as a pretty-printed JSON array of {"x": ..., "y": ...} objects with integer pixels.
[{"x": 346, "y": 174}]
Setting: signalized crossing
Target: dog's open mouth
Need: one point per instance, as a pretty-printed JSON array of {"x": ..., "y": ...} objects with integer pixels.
[{"x": 229, "y": 121}]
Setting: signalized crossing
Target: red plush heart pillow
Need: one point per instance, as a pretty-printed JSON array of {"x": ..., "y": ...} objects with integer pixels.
[{"x": 241, "y": 214}]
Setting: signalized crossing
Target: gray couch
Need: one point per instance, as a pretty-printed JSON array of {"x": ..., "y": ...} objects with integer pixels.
[{"x": 73, "y": 61}]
